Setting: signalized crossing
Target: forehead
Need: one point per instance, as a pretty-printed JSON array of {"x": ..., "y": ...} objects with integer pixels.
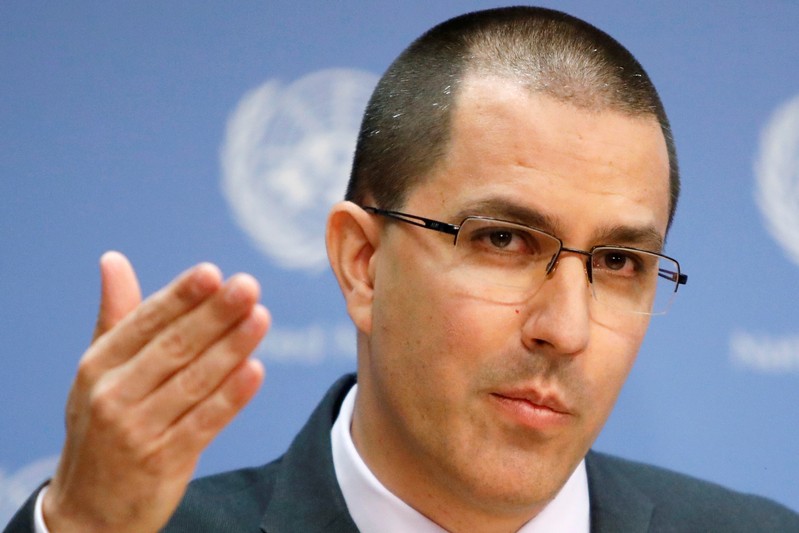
[{"x": 576, "y": 167}]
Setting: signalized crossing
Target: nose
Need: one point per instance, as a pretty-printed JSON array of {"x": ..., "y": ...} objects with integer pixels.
[{"x": 558, "y": 316}]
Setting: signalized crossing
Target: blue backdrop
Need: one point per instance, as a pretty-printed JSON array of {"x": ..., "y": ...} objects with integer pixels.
[{"x": 180, "y": 132}]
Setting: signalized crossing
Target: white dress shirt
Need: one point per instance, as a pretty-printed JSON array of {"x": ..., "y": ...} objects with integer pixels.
[{"x": 375, "y": 509}]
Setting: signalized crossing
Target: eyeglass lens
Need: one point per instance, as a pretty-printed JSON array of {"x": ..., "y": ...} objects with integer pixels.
[{"x": 507, "y": 262}]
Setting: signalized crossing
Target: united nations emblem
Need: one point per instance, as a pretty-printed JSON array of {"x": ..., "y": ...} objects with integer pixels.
[
  {"x": 777, "y": 174},
  {"x": 286, "y": 159}
]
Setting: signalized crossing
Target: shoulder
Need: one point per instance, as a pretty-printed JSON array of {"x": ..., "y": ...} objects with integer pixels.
[
  {"x": 682, "y": 500},
  {"x": 230, "y": 501}
]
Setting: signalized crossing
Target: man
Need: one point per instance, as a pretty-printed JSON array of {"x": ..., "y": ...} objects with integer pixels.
[{"x": 500, "y": 253}]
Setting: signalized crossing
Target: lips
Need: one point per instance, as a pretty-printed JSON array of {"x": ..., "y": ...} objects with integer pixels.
[
  {"x": 536, "y": 398},
  {"x": 532, "y": 408}
]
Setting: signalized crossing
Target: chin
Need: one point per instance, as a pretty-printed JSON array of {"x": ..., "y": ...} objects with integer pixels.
[{"x": 513, "y": 484}]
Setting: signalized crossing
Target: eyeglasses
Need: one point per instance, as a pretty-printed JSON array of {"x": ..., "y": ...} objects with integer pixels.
[{"x": 507, "y": 262}]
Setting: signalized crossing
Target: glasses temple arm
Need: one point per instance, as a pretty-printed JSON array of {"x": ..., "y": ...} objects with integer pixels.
[{"x": 422, "y": 222}]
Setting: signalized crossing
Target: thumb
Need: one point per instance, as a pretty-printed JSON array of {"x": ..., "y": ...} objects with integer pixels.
[{"x": 119, "y": 291}]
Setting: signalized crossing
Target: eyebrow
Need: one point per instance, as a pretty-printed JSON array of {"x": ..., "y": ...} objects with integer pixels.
[
  {"x": 507, "y": 210},
  {"x": 646, "y": 237}
]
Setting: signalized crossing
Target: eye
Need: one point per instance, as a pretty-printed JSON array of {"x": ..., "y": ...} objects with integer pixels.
[
  {"x": 618, "y": 262},
  {"x": 615, "y": 261},
  {"x": 501, "y": 238},
  {"x": 507, "y": 241},
  {"x": 496, "y": 240}
]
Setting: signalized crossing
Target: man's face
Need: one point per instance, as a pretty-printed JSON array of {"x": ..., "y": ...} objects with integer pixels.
[{"x": 470, "y": 406}]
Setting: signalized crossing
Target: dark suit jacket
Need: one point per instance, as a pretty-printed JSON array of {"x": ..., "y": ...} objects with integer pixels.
[{"x": 299, "y": 493}]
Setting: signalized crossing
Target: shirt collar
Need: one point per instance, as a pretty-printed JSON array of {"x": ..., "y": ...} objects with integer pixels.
[{"x": 376, "y": 509}]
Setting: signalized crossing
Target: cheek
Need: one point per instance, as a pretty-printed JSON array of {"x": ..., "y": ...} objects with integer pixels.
[
  {"x": 408, "y": 319},
  {"x": 612, "y": 357},
  {"x": 432, "y": 335}
]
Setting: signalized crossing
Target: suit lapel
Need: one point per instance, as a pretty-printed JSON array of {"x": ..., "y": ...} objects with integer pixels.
[
  {"x": 306, "y": 496},
  {"x": 616, "y": 503}
]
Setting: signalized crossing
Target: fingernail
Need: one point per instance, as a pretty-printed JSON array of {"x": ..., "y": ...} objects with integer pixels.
[
  {"x": 253, "y": 323},
  {"x": 237, "y": 290},
  {"x": 205, "y": 279}
]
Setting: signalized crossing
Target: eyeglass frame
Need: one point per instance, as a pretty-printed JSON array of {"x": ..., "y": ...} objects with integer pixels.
[{"x": 453, "y": 229}]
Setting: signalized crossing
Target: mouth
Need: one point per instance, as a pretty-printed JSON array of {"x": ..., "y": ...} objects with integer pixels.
[{"x": 532, "y": 409}]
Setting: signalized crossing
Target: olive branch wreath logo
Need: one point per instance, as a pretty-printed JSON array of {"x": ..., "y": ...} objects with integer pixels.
[
  {"x": 777, "y": 196},
  {"x": 777, "y": 173}
]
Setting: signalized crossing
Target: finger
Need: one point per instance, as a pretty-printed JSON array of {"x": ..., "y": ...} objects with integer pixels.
[
  {"x": 144, "y": 323},
  {"x": 202, "y": 377},
  {"x": 186, "y": 338},
  {"x": 119, "y": 291},
  {"x": 195, "y": 430}
]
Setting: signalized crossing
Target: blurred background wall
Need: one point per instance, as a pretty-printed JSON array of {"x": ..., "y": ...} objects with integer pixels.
[{"x": 178, "y": 132}]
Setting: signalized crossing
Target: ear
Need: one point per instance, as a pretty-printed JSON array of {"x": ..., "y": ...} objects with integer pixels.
[{"x": 352, "y": 240}]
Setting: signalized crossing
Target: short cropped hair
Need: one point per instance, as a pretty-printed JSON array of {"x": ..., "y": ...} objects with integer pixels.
[{"x": 407, "y": 122}]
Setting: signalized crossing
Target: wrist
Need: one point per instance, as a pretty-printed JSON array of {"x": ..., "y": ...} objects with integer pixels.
[{"x": 51, "y": 518}]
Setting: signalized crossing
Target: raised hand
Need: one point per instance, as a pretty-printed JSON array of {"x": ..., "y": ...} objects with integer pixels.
[{"x": 160, "y": 380}]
